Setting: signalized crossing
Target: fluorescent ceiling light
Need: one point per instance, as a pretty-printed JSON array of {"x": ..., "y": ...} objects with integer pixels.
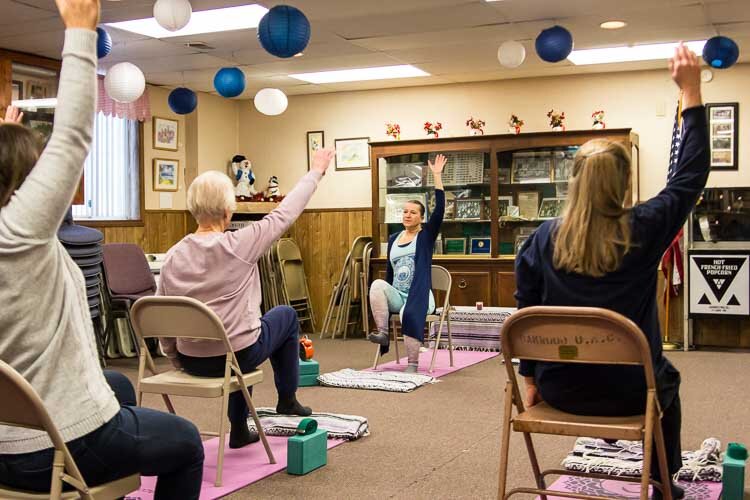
[
  {"x": 360, "y": 74},
  {"x": 205, "y": 21},
  {"x": 35, "y": 103},
  {"x": 613, "y": 25},
  {"x": 631, "y": 53}
]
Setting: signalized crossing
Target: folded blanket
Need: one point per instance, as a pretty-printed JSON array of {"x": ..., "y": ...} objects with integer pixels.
[
  {"x": 339, "y": 426},
  {"x": 625, "y": 458},
  {"x": 379, "y": 381},
  {"x": 472, "y": 329}
]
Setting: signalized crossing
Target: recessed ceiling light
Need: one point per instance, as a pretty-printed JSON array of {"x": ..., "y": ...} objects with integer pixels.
[
  {"x": 360, "y": 74},
  {"x": 613, "y": 25},
  {"x": 205, "y": 21},
  {"x": 631, "y": 53}
]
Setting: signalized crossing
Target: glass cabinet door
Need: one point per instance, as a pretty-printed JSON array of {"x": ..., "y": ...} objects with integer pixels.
[
  {"x": 466, "y": 224},
  {"x": 722, "y": 216},
  {"x": 532, "y": 188}
]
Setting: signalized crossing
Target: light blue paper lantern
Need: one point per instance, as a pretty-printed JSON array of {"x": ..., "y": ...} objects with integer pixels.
[
  {"x": 720, "y": 52},
  {"x": 284, "y": 31},
  {"x": 182, "y": 101},
  {"x": 554, "y": 44},
  {"x": 229, "y": 82}
]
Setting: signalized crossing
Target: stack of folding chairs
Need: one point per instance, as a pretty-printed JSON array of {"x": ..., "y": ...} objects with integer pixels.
[
  {"x": 294, "y": 289},
  {"x": 348, "y": 306},
  {"x": 84, "y": 245}
]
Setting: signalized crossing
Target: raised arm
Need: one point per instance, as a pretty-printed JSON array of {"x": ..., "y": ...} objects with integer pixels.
[
  {"x": 661, "y": 217},
  {"x": 255, "y": 239},
  {"x": 436, "y": 217},
  {"x": 38, "y": 206}
]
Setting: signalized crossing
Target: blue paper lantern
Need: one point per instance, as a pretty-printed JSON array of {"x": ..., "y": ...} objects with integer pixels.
[
  {"x": 554, "y": 44},
  {"x": 103, "y": 43},
  {"x": 229, "y": 82},
  {"x": 182, "y": 100},
  {"x": 720, "y": 52},
  {"x": 284, "y": 31}
]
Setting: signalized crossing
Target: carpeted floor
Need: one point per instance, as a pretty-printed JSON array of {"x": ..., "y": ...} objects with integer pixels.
[{"x": 442, "y": 441}]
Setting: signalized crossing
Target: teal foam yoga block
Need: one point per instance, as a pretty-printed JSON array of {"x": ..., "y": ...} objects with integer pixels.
[
  {"x": 733, "y": 477},
  {"x": 309, "y": 367},
  {"x": 308, "y": 380},
  {"x": 307, "y": 452}
]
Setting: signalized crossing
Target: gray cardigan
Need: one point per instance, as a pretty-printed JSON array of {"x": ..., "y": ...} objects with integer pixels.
[{"x": 45, "y": 326}]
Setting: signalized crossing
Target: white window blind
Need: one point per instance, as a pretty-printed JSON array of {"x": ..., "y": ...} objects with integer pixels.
[{"x": 111, "y": 172}]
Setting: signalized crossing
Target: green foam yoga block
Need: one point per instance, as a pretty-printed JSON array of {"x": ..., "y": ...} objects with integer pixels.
[
  {"x": 307, "y": 452},
  {"x": 309, "y": 367},
  {"x": 733, "y": 477},
  {"x": 308, "y": 380}
]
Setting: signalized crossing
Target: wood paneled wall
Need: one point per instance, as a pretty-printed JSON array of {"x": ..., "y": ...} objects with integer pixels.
[
  {"x": 160, "y": 230},
  {"x": 324, "y": 238}
]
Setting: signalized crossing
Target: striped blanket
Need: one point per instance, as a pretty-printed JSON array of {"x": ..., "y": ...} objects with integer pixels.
[
  {"x": 379, "y": 381},
  {"x": 625, "y": 458},
  {"x": 339, "y": 426},
  {"x": 473, "y": 330}
]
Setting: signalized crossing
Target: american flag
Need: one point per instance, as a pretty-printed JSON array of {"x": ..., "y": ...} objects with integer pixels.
[{"x": 671, "y": 262}]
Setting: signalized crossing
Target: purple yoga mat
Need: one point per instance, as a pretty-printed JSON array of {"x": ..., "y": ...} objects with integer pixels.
[
  {"x": 461, "y": 359},
  {"x": 242, "y": 467},
  {"x": 698, "y": 490}
]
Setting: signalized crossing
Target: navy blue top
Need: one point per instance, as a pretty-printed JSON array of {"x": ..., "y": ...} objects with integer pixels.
[
  {"x": 418, "y": 299},
  {"x": 631, "y": 290}
]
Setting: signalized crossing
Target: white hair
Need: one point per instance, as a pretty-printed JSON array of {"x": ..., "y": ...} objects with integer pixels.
[{"x": 209, "y": 196}]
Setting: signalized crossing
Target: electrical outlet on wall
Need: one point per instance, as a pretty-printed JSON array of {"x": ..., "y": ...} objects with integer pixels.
[{"x": 661, "y": 108}]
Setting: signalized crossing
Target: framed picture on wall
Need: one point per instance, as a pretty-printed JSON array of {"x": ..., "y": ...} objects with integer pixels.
[
  {"x": 166, "y": 174},
  {"x": 16, "y": 90},
  {"x": 353, "y": 153},
  {"x": 165, "y": 133},
  {"x": 723, "y": 128},
  {"x": 315, "y": 141}
]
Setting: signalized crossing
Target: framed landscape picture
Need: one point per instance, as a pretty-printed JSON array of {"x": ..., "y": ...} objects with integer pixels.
[
  {"x": 166, "y": 174},
  {"x": 165, "y": 134},
  {"x": 353, "y": 153}
]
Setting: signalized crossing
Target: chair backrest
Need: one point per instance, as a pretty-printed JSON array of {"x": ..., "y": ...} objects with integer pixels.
[
  {"x": 442, "y": 282},
  {"x": 287, "y": 249},
  {"x": 575, "y": 335},
  {"x": 178, "y": 317},
  {"x": 126, "y": 269}
]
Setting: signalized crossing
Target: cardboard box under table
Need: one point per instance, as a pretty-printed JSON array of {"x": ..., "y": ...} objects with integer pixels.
[{"x": 308, "y": 373}]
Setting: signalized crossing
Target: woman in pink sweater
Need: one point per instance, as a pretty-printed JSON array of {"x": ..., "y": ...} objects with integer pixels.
[{"x": 220, "y": 269}]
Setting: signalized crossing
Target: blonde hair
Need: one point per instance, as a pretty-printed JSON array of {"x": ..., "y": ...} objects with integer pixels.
[
  {"x": 593, "y": 235},
  {"x": 209, "y": 196}
]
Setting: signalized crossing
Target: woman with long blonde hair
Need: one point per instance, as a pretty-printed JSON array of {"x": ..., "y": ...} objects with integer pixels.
[{"x": 602, "y": 253}]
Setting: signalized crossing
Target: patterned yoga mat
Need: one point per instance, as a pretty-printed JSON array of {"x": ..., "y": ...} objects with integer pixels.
[
  {"x": 472, "y": 329},
  {"x": 699, "y": 490}
]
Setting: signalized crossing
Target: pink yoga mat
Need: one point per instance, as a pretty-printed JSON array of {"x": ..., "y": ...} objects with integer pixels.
[
  {"x": 698, "y": 490},
  {"x": 461, "y": 359},
  {"x": 242, "y": 466}
]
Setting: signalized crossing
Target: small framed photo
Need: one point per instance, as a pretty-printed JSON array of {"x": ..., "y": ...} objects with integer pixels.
[
  {"x": 166, "y": 174},
  {"x": 165, "y": 134},
  {"x": 503, "y": 204},
  {"x": 36, "y": 89},
  {"x": 503, "y": 175},
  {"x": 16, "y": 90},
  {"x": 454, "y": 246},
  {"x": 551, "y": 208},
  {"x": 564, "y": 161},
  {"x": 531, "y": 167},
  {"x": 528, "y": 204},
  {"x": 315, "y": 141},
  {"x": 520, "y": 240},
  {"x": 353, "y": 153},
  {"x": 468, "y": 209},
  {"x": 723, "y": 126},
  {"x": 480, "y": 245}
]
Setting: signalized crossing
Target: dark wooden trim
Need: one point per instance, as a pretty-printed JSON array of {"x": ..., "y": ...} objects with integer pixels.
[
  {"x": 480, "y": 139},
  {"x": 141, "y": 147},
  {"x": 349, "y": 209},
  {"x": 31, "y": 59},
  {"x": 111, "y": 223}
]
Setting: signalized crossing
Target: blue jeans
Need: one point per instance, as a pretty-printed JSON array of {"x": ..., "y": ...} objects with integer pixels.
[
  {"x": 278, "y": 340},
  {"x": 135, "y": 440}
]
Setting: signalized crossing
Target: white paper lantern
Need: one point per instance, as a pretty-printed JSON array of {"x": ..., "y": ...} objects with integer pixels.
[
  {"x": 172, "y": 15},
  {"x": 124, "y": 82},
  {"x": 271, "y": 101},
  {"x": 511, "y": 54}
]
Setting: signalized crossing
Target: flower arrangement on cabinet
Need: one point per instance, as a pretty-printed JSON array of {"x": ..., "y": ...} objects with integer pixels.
[
  {"x": 598, "y": 117},
  {"x": 515, "y": 124},
  {"x": 433, "y": 128},
  {"x": 556, "y": 120},
  {"x": 393, "y": 130},
  {"x": 476, "y": 127}
]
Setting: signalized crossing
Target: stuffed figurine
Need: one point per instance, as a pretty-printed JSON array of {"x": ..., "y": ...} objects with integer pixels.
[
  {"x": 273, "y": 193},
  {"x": 242, "y": 170}
]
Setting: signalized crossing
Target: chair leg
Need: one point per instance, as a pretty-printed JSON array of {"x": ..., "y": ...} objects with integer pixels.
[
  {"x": 661, "y": 455},
  {"x": 437, "y": 345},
  {"x": 261, "y": 432},
  {"x": 505, "y": 441},
  {"x": 534, "y": 464},
  {"x": 648, "y": 444},
  {"x": 58, "y": 469},
  {"x": 222, "y": 437},
  {"x": 450, "y": 339},
  {"x": 395, "y": 341},
  {"x": 377, "y": 357}
]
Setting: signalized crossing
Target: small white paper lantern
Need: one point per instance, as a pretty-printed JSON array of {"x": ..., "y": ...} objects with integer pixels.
[
  {"x": 511, "y": 54},
  {"x": 124, "y": 82},
  {"x": 172, "y": 15},
  {"x": 271, "y": 101}
]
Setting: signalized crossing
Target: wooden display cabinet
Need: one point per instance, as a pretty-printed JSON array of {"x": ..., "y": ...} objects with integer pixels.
[{"x": 480, "y": 173}]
